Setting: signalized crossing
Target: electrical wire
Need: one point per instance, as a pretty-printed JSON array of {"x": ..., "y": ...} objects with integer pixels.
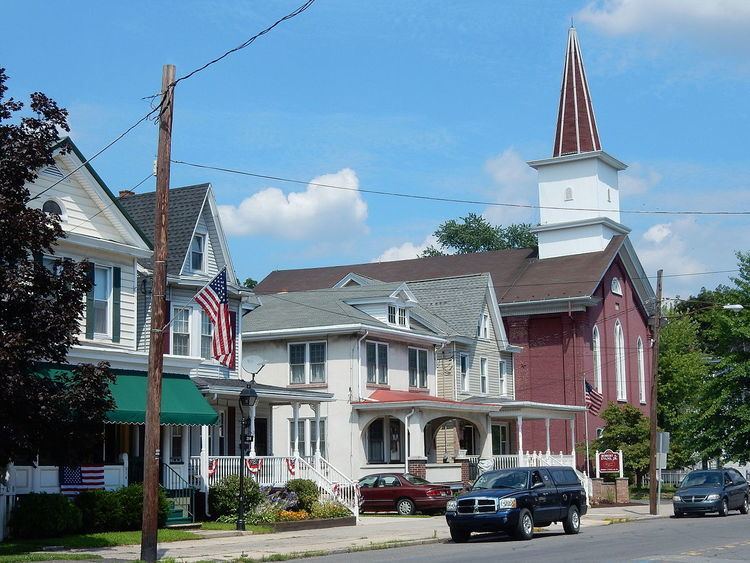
[{"x": 442, "y": 199}]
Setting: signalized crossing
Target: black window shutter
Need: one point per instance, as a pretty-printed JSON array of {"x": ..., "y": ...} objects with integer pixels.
[
  {"x": 90, "y": 303},
  {"x": 116, "y": 287}
]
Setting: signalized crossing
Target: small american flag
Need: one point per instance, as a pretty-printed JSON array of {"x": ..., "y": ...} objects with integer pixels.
[
  {"x": 213, "y": 300},
  {"x": 594, "y": 399},
  {"x": 74, "y": 479}
]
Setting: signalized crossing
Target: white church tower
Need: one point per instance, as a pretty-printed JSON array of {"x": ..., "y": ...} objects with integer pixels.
[{"x": 578, "y": 191}]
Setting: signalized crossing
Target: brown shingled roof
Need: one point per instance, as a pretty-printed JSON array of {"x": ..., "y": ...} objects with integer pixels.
[{"x": 518, "y": 274}]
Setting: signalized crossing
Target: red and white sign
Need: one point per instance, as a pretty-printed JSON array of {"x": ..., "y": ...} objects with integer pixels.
[{"x": 609, "y": 461}]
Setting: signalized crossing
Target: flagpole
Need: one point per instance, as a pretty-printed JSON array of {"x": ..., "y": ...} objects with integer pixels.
[{"x": 173, "y": 317}]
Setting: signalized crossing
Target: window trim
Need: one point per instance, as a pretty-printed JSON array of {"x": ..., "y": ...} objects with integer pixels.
[
  {"x": 210, "y": 335},
  {"x": 377, "y": 344},
  {"x": 483, "y": 327},
  {"x": 110, "y": 304},
  {"x": 641, "y": 370},
  {"x": 484, "y": 377},
  {"x": 596, "y": 346},
  {"x": 620, "y": 364},
  {"x": 392, "y": 309},
  {"x": 202, "y": 237},
  {"x": 307, "y": 363},
  {"x": 464, "y": 376},
  {"x": 63, "y": 212},
  {"x": 502, "y": 372},
  {"x": 427, "y": 367},
  {"x": 189, "y": 309}
]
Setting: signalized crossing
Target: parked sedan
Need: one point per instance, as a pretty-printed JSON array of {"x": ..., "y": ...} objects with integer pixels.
[
  {"x": 403, "y": 492},
  {"x": 713, "y": 490}
]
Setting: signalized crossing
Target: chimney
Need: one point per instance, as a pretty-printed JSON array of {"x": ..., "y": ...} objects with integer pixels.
[{"x": 126, "y": 193}]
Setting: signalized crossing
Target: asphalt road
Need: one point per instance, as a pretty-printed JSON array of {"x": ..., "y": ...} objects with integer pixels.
[{"x": 664, "y": 539}]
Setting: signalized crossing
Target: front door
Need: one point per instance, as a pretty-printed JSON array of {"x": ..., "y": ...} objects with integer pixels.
[
  {"x": 500, "y": 441},
  {"x": 261, "y": 436}
]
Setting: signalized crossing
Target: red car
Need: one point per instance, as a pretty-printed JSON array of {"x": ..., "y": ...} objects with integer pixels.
[{"x": 403, "y": 492}]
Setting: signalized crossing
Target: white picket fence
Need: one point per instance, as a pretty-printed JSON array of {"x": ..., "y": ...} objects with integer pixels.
[
  {"x": 528, "y": 459},
  {"x": 6, "y": 506}
]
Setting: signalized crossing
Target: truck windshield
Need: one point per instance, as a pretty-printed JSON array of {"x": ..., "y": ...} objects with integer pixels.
[{"x": 509, "y": 479}]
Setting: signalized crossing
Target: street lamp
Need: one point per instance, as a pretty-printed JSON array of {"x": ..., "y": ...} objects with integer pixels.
[{"x": 248, "y": 398}]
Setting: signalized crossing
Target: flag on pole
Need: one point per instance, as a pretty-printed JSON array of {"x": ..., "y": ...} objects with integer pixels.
[
  {"x": 213, "y": 300},
  {"x": 594, "y": 399},
  {"x": 74, "y": 479}
]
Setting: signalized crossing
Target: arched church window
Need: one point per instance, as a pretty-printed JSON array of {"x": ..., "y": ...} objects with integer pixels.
[
  {"x": 596, "y": 343},
  {"x": 568, "y": 194},
  {"x": 620, "y": 376},
  {"x": 52, "y": 208},
  {"x": 616, "y": 286}
]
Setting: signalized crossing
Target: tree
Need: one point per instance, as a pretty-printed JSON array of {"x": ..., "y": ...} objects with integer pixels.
[
  {"x": 474, "y": 233},
  {"x": 250, "y": 283},
  {"x": 40, "y": 307},
  {"x": 627, "y": 429}
]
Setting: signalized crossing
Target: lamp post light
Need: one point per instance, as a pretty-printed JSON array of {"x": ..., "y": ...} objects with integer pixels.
[{"x": 248, "y": 398}]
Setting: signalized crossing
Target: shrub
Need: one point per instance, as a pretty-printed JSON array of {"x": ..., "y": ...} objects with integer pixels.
[
  {"x": 329, "y": 510},
  {"x": 41, "y": 515},
  {"x": 101, "y": 511},
  {"x": 223, "y": 498},
  {"x": 306, "y": 491},
  {"x": 130, "y": 501}
]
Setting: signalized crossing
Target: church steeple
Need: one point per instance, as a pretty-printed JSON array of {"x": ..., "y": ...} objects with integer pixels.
[{"x": 576, "y": 130}]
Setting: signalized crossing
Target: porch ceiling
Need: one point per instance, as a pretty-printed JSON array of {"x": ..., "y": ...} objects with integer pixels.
[
  {"x": 269, "y": 393},
  {"x": 532, "y": 410}
]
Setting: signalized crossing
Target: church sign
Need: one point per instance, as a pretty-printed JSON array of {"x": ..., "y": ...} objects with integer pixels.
[{"x": 609, "y": 461}]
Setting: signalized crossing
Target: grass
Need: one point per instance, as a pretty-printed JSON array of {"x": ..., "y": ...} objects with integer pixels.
[
  {"x": 642, "y": 493},
  {"x": 231, "y": 526},
  {"x": 16, "y": 548}
]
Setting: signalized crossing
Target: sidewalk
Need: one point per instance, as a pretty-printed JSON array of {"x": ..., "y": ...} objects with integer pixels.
[{"x": 373, "y": 531}]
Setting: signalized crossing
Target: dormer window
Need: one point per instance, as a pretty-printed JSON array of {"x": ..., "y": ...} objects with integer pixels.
[
  {"x": 197, "y": 252},
  {"x": 568, "y": 194},
  {"x": 616, "y": 287},
  {"x": 401, "y": 316},
  {"x": 483, "y": 328},
  {"x": 392, "y": 314}
]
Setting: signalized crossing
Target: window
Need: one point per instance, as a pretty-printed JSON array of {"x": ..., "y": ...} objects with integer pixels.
[
  {"x": 375, "y": 443},
  {"x": 297, "y": 360},
  {"x": 392, "y": 314},
  {"x": 389, "y": 481},
  {"x": 196, "y": 253},
  {"x": 483, "y": 375},
  {"x": 181, "y": 331},
  {"x": 207, "y": 332},
  {"x": 306, "y": 441},
  {"x": 616, "y": 287},
  {"x": 568, "y": 194},
  {"x": 301, "y": 446},
  {"x": 401, "y": 316},
  {"x": 599, "y": 432},
  {"x": 53, "y": 264},
  {"x": 483, "y": 329},
  {"x": 500, "y": 439},
  {"x": 377, "y": 363},
  {"x": 51, "y": 207},
  {"x": 596, "y": 344},
  {"x": 464, "y": 366},
  {"x": 502, "y": 369},
  {"x": 314, "y": 435},
  {"x": 641, "y": 371},
  {"x": 620, "y": 376},
  {"x": 417, "y": 367},
  {"x": 317, "y": 362},
  {"x": 102, "y": 295},
  {"x": 176, "y": 454}
]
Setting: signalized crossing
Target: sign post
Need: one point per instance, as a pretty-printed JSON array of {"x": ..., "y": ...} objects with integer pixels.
[{"x": 662, "y": 448}]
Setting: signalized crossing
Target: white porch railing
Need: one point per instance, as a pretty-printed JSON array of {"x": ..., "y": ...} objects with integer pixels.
[
  {"x": 528, "y": 459},
  {"x": 272, "y": 471}
]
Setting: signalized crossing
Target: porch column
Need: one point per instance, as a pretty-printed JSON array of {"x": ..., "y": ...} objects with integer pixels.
[
  {"x": 295, "y": 417},
  {"x": 316, "y": 410},
  {"x": 166, "y": 444},
  {"x": 185, "y": 453},
  {"x": 546, "y": 427},
  {"x": 485, "y": 451},
  {"x": 252, "y": 431},
  {"x": 519, "y": 430},
  {"x": 416, "y": 436},
  {"x": 573, "y": 437},
  {"x": 204, "y": 458}
]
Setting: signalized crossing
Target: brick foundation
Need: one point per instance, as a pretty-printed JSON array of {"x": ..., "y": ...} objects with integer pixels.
[{"x": 418, "y": 466}]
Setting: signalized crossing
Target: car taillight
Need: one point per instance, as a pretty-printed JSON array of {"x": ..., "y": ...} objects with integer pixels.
[{"x": 437, "y": 492}]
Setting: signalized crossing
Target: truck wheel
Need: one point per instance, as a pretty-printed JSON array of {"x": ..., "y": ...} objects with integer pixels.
[
  {"x": 405, "y": 506},
  {"x": 724, "y": 509},
  {"x": 572, "y": 523},
  {"x": 525, "y": 527},
  {"x": 459, "y": 536}
]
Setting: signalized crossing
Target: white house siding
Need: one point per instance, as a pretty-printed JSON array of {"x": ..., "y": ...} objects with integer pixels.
[
  {"x": 375, "y": 310},
  {"x": 214, "y": 258}
]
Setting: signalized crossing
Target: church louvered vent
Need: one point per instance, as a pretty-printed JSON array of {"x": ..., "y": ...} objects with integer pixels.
[{"x": 53, "y": 171}]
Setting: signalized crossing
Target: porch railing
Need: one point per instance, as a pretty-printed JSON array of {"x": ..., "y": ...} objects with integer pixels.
[{"x": 180, "y": 492}]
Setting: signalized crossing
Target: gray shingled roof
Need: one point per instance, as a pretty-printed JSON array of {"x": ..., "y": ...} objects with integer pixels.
[
  {"x": 185, "y": 204},
  {"x": 327, "y": 307}
]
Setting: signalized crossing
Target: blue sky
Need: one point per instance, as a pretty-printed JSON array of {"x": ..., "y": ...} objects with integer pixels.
[{"x": 444, "y": 99}]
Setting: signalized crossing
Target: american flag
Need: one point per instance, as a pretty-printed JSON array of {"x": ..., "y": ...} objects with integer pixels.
[
  {"x": 213, "y": 300},
  {"x": 74, "y": 479},
  {"x": 594, "y": 399}
]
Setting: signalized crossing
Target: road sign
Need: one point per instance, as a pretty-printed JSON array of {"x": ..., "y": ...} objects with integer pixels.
[
  {"x": 662, "y": 443},
  {"x": 661, "y": 460}
]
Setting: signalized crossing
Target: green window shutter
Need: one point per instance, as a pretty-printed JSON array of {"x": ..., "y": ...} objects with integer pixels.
[
  {"x": 90, "y": 304},
  {"x": 116, "y": 286}
]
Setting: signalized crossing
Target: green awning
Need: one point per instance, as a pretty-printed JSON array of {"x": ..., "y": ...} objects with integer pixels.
[{"x": 181, "y": 401}]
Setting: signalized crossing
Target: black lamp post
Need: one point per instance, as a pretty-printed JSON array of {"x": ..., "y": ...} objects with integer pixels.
[{"x": 248, "y": 398}]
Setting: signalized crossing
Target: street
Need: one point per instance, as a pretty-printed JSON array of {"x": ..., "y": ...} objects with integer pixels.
[{"x": 665, "y": 539}]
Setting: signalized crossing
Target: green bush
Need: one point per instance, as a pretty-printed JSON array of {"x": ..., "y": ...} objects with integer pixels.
[
  {"x": 306, "y": 491},
  {"x": 130, "y": 501},
  {"x": 101, "y": 511},
  {"x": 223, "y": 498},
  {"x": 41, "y": 515},
  {"x": 329, "y": 510}
]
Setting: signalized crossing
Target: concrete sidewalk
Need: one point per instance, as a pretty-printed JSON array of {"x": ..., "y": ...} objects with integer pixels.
[{"x": 372, "y": 532}]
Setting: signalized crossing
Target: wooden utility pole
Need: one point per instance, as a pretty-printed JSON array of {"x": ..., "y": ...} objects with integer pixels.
[
  {"x": 652, "y": 485},
  {"x": 152, "y": 452}
]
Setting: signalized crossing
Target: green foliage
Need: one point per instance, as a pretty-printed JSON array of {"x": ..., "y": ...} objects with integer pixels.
[
  {"x": 100, "y": 511},
  {"x": 306, "y": 491},
  {"x": 223, "y": 498},
  {"x": 626, "y": 429},
  {"x": 329, "y": 510},
  {"x": 474, "y": 233},
  {"x": 130, "y": 500},
  {"x": 40, "y": 515},
  {"x": 250, "y": 283}
]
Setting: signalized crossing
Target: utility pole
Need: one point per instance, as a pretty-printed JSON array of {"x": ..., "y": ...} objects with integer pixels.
[
  {"x": 652, "y": 485},
  {"x": 152, "y": 451}
]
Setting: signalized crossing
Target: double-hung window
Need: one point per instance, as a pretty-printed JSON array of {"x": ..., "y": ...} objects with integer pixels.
[
  {"x": 207, "y": 332},
  {"x": 197, "y": 252},
  {"x": 392, "y": 314},
  {"x": 502, "y": 369},
  {"x": 483, "y": 375},
  {"x": 464, "y": 367},
  {"x": 300, "y": 433},
  {"x": 377, "y": 363},
  {"x": 483, "y": 328},
  {"x": 102, "y": 299},
  {"x": 297, "y": 360},
  {"x": 402, "y": 316},
  {"x": 181, "y": 331},
  {"x": 417, "y": 367},
  {"x": 314, "y": 436},
  {"x": 307, "y": 362},
  {"x": 317, "y": 362}
]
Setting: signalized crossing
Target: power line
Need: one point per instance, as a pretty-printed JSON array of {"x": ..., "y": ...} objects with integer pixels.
[{"x": 452, "y": 200}]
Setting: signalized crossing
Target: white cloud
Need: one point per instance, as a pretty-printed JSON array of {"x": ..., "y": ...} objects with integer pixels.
[
  {"x": 658, "y": 233},
  {"x": 724, "y": 20},
  {"x": 324, "y": 213},
  {"x": 638, "y": 179},
  {"x": 406, "y": 251},
  {"x": 515, "y": 182}
]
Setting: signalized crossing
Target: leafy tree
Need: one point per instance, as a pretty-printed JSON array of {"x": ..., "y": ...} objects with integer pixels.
[
  {"x": 474, "y": 233},
  {"x": 627, "y": 429},
  {"x": 250, "y": 283},
  {"x": 40, "y": 308}
]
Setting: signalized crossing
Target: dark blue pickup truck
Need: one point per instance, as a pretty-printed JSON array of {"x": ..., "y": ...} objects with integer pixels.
[{"x": 518, "y": 500}]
